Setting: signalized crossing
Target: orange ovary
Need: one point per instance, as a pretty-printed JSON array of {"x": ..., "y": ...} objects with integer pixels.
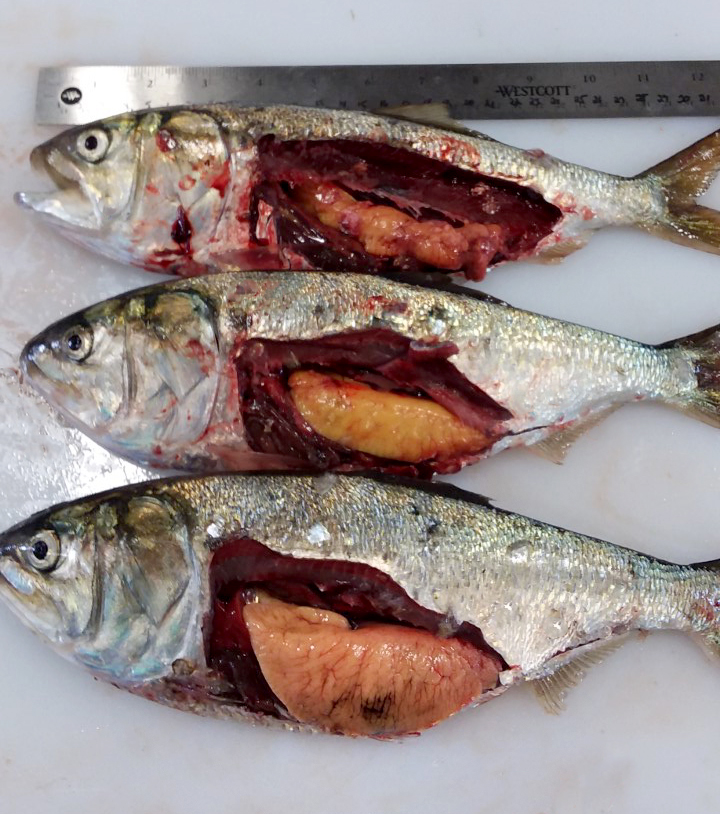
[
  {"x": 388, "y": 232},
  {"x": 378, "y": 679},
  {"x": 388, "y": 425}
]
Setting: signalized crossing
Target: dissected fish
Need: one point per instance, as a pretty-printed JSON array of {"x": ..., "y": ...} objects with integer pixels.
[
  {"x": 252, "y": 370},
  {"x": 233, "y": 188},
  {"x": 344, "y": 604}
]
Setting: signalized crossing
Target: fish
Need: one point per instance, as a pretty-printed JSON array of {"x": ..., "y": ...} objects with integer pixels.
[
  {"x": 227, "y": 188},
  {"x": 337, "y": 603},
  {"x": 337, "y": 371}
]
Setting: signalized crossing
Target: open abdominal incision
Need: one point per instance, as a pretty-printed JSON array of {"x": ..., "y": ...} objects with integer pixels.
[
  {"x": 364, "y": 399},
  {"x": 368, "y": 207},
  {"x": 337, "y": 645}
]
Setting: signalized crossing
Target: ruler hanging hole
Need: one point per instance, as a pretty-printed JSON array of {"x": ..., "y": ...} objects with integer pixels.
[{"x": 70, "y": 96}]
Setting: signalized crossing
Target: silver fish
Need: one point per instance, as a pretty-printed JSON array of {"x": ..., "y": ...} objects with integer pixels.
[
  {"x": 231, "y": 188},
  {"x": 287, "y": 369},
  {"x": 340, "y": 603}
]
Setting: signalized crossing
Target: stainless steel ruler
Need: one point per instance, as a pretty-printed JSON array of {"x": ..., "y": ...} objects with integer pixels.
[{"x": 75, "y": 95}]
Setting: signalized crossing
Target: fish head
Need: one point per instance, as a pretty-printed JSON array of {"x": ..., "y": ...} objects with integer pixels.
[
  {"x": 142, "y": 188},
  {"x": 94, "y": 169},
  {"x": 138, "y": 373},
  {"x": 109, "y": 581}
]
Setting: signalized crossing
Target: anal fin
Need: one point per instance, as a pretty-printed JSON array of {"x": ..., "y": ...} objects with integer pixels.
[
  {"x": 709, "y": 642},
  {"x": 551, "y": 689},
  {"x": 555, "y": 447},
  {"x": 557, "y": 252}
]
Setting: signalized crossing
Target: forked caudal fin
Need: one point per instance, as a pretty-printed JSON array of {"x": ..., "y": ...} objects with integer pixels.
[
  {"x": 702, "y": 349},
  {"x": 683, "y": 177}
]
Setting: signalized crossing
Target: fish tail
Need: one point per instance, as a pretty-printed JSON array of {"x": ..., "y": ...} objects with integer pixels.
[
  {"x": 682, "y": 179},
  {"x": 702, "y": 350}
]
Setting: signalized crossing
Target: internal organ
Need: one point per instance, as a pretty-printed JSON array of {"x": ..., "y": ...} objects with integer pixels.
[
  {"x": 388, "y": 425},
  {"x": 342, "y": 204},
  {"x": 374, "y": 679},
  {"x": 338, "y": 645},
  {"x": 286, "y": 409},
  {"x": 389, "y": 232}
]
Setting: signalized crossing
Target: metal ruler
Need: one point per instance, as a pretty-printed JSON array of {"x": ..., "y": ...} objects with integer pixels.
[{"x": 76, "y": 95}]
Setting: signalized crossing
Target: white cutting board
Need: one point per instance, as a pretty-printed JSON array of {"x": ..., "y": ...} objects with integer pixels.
[{"x": 640, "y": 734}]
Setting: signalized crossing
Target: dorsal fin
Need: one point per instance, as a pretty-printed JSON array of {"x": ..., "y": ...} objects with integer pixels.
[
  {"x": 439, "y": 281},
  {"x": 551, "y": 689},
  {"x": 435, "y": 114}
]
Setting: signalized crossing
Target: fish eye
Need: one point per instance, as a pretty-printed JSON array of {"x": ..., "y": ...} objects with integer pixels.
[
  {"x": 77, "y": 343},
  {"x": 93, "y": 144},
  {"x": 43, "y": 551}
]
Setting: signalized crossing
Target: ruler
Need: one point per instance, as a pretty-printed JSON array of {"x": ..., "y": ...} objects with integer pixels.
[{"x": 76, "y": 95}]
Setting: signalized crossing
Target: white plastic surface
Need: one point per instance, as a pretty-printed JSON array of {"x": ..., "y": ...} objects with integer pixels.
[{"x": 640, "y": 734}]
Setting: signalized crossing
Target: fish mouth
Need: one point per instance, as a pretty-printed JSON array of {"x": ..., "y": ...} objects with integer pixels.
[
  {"x": 15, "y": 587},
  {"x": 21, "y": 595},
  {"x": 11, "y": 578},
  {"x": 30, "y": 369},
  {"x": 62, "y": 396},
  {"x": 59, "y": 393},
  {"x": 72, "y": 204}
]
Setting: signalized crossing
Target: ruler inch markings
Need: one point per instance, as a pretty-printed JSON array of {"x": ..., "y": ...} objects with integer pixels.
[{"x": 81, "y": 94}]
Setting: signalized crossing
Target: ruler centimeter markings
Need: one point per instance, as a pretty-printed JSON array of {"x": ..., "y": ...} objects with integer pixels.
[{"x": 77, "y": 95}]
